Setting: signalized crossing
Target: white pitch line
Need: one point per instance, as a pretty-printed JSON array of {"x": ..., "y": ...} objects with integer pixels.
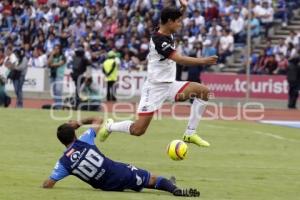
[
  {"x": 271, "y": 135},
  {"x": 274, "y": 136},
  {"x": 256, "y": 132}
]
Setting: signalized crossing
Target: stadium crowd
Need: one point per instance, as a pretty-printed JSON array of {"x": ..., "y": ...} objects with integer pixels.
[
  {"x": 46, "y": 33},
  {"x": 210, "y": 27}
]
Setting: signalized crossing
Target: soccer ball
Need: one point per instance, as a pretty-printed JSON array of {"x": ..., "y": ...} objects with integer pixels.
[{"x": 177, "y": 150}]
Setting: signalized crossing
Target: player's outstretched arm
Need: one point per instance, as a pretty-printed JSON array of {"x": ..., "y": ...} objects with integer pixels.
[
  {"x": 184, "y": 4},
  {"x": 191, "y": 61},
  {"x": 94, "y": 121},
  {"x": 49, "y": 183}
]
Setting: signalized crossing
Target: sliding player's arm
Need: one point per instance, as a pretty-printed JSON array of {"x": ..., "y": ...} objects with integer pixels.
[
  {"x": 58, "y": 173},
  {"x": 191, "y": 61},
  {"x": 49, "y": 183},
  {"x": 94, "y": 121}
]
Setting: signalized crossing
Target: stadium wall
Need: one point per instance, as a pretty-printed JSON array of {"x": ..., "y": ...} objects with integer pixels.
[{"x": 227, "y": 88}]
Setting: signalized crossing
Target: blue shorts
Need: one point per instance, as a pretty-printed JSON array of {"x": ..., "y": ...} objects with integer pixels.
[{"x": 124, "y": 176}]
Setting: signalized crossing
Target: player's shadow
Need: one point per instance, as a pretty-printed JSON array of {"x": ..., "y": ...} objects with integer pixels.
[{"x": 143, "y": 192}]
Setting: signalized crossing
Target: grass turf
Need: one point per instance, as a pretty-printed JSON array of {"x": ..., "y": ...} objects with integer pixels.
[{"x": 246, "y": 160}]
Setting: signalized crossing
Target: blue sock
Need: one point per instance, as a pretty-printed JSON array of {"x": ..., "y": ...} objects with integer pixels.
[{"x": 164, "y": 184}]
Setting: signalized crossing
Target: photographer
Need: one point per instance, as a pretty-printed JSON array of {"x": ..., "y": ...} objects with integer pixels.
[
  {"x": 79, "y": 66},
  {"x": 89, "y": 94},
  {"x": 4, "y": 99},
  {"x": 57, "y": 63}
]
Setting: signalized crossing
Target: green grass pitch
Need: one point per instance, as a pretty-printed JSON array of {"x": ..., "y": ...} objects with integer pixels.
[{"x": 246, "y": 160}]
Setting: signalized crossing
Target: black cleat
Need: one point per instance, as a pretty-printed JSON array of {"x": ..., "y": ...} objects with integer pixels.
[{"x": 186, "y": 192}]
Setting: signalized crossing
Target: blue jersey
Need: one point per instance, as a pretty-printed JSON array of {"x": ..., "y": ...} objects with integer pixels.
[{"x": 84, "y": 160}]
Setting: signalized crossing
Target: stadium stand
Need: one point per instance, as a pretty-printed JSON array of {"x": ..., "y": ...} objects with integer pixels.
[{"x": 125, "y": 26}]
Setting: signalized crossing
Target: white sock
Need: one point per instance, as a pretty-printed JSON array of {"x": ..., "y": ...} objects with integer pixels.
[
  {"x": 123, "y": 127},
  {"x": 197, "y": 110}
]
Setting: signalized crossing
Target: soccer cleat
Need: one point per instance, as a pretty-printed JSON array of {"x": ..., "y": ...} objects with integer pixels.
[
  {"x": 104, "y": 131},
  {"x": 186, "y": 192},
  {"x": 196, "y": 139}
]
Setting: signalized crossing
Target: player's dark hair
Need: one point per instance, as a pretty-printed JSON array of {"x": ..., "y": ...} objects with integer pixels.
[
  {"x": 65, "y": 134},
  {"x": 169, "y": 13}
]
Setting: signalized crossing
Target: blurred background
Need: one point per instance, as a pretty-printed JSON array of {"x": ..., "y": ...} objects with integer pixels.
[{"x": 50, "y": 47}]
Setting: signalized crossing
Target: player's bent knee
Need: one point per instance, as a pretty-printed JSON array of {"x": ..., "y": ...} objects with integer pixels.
[
  {"x": 204, "y": 93},
  {"x": 140, "y": 132},
  {"x": 137, "y": 131}
]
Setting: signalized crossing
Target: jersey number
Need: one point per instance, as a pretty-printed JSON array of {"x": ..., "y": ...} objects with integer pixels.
[{"x": 89, "y": 166}]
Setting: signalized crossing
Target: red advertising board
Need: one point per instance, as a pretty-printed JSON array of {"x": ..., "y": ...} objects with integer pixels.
[{"x": 235, "y": 86}]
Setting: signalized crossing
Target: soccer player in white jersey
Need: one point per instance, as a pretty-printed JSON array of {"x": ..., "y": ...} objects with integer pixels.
[{"x": 161, "y": 84}]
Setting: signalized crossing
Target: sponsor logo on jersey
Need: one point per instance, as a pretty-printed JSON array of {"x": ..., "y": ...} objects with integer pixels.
[
  {"x": 75, "y": 156},
  {"x": 165, "y": 45}
]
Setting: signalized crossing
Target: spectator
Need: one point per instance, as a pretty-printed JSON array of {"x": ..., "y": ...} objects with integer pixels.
[
  {"x": 266, "y": 16},
  {"x": 2, "y": 55},
  {"x": 256, "y": 8},
  {"x": 10, "y": 62},
  {"x": 212, "y": 11},
  {"x": 259, "y": 66},
  {"x": 292, "y": 53},
  {"x": 215, "y": 26},
  {"x": 282, "y": 66},
  {"x": 57, "y": 63},
  {"x": 226, "y": 45},
  {"x": 7, "y": 13},
  {"x": 293, "y": 38},
  {"x": 38, "y": 58},
  {"x": 199, "y": 19},
  {"x": 194, "y": 72},
  {"x": 208, "y": 49},
  {"x": 127, "y": 63},
  {"x": 214, "y": 38},
  {"x": 269, "y": 50},
  {"x": 270, "y": 65},
  {"x": 97, "y": 51},
  {"x": 254, "y": 58},
  {"x": 17, "y": 75},
  {"x": 110, "y": 8},
  {"x": 50, "y": 43},
  {"x": 227, "y": 10},
  {"x": 255, "y": 26},
  {"x": 282, "y": 12},
  {"x": 281, "y": 48},
  {"x": 237, "y": 27},
  {"x": 110, "y": 70},
  {"x": 77, "y": 29}
]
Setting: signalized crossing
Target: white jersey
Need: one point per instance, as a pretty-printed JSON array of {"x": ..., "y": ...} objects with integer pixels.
[{"x": 160, "y": 67}]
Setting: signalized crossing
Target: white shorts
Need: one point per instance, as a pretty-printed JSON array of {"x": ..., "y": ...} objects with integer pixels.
[{"x": 155, "y": 94}]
